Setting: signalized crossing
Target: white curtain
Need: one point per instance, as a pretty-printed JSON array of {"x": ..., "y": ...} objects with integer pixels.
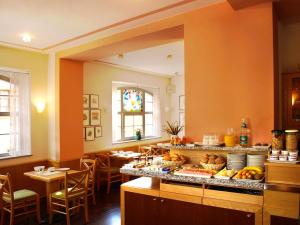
[
  {"x": 20, "y": 125},
  {"x": 156, "y": 112}
]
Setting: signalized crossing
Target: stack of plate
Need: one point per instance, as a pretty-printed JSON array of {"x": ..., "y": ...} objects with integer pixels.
[
  {"x": 236, "y": 161},
  {"x": 256, "y": 160}
]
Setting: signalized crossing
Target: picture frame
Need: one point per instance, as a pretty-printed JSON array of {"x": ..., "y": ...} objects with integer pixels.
[
  {"x": 94, "y": 101},
  {"x": 181, "y": 102},
  {"x": 181, "y": 118},
  {"x": 86, "y": 117},
  {"x": 86, "y": 101},
  {"x": 98, "y": 131},
  {"x": 83, "y": 134},
  {"x": 95, "y": 117},
  {"x": 89, "y": 134}
]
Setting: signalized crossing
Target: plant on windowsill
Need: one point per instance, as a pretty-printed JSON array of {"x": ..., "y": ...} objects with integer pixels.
[
  {"x": 138, "y": 134},
  {"x": 173, "y": 129}
]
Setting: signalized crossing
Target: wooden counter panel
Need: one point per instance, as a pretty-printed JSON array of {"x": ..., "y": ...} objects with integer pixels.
[
  {"x": 282, "y": 204},
  {"x": 142, "y": 185},
  {"x": 182, "y": 189},
  {"x": 283, "y": 173},
  {"x": 234, "y": 197},
  {"x": 181, "y": 197}
]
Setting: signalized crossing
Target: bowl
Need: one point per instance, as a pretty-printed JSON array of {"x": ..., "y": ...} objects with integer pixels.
[{"x": 39, "y": 169}]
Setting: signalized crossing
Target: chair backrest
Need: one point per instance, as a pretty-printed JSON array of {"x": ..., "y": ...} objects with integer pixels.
[
  {"x": 89, "y": 164},
  {"x": 1, "y": 200},
  {"x": 6, "y": 186},
  {"x": 103, "y": 160},
  {"x": 76, "y": 183},
  {"x": 147, "y": 150}
]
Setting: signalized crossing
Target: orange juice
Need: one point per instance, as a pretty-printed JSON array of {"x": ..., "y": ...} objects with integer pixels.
[{"x": 229, "y": 140}]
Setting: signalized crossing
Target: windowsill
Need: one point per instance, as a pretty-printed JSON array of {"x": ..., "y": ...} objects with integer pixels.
[
  {"x": 132, "y": 141},
  {"x": 13, "y": 157}
]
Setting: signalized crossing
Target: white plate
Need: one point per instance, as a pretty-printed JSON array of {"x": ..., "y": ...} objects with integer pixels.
[
  {"x": 283, "y": 161},
  {"x": 62, "y": 169}
]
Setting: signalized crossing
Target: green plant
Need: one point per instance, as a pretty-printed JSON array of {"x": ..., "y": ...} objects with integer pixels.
[{"x": 172, "y": 128}]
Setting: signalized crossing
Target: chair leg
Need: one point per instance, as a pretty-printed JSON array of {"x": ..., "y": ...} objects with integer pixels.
[
  {"x": 67, "y": 213},
  {"x": 12, "y": 215},
  {"x": 86, "y": 215},
  {"x": 93, "y": 195},
  {"x": 98, "y": 183},
  {"x": 2, "y": 216},
  {"x": 50, "y": 210},
  {"x": 38, "y": 211}
]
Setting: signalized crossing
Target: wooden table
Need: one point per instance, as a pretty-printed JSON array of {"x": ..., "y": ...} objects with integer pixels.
[{"x": 52, "y": 181}]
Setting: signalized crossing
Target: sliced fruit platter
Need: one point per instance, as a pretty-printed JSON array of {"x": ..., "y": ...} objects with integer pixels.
[
  {"x": 225, "y": 174},
  {"x": 195, "y": 172},
  {"x": 250, "y": 174}
]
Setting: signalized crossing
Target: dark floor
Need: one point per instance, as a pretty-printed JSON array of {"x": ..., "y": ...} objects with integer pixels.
[{"x": 106, "y": 212}]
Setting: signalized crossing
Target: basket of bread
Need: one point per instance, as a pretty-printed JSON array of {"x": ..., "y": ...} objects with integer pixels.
[
  {"x": 212, "y": 162},
  {"x": 173, "y": 159}
]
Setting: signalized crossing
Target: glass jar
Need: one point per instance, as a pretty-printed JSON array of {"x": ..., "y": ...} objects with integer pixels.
[
  {"x": 229, "y": 138},
  {"x": 291, "y": 137},
  {"x": 277, "y": 139}
]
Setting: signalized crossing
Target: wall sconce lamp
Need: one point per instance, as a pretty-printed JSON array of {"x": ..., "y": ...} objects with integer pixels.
[{"x": 40, "y": 106}]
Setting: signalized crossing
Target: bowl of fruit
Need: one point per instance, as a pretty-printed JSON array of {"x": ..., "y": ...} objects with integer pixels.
[{"x": 250, "y": 174}]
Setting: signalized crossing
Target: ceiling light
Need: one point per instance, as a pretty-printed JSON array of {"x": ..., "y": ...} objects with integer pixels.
[
  {"x": 26, "y": 37},
  {"x": 170, "y": 56}
]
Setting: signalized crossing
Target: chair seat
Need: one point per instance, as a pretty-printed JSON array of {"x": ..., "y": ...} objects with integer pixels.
[
  {"x": 61, "y": 194},
  {"x": 21, "y": 195}
]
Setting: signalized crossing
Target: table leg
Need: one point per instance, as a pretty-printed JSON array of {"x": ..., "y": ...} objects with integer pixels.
[{"x": 50, "y": 188}]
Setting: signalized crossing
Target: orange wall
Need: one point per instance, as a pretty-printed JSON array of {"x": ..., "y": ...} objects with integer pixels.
[
  {"x": 229, "y": 70},
  {"x": 71, "y": 91},
  {"x": 228, "y": 67}
]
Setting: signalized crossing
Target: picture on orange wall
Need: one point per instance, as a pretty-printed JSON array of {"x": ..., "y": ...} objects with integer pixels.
[
  {"x": 89, "y": 134},
  {"x": 181, "y": 118},
  {"x": 86, "y": 101},
  {"x": 95, "y": 117},
  {"x": 86, "y": 117},
  {"x": 94, "y": 101},
  {"x": 98, "y": 131}
]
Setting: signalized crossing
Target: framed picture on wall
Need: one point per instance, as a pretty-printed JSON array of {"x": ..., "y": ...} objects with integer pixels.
[
  {"x": 89, "y": 134},
  {"x": 86, "y": 101},
  {"x": 94, "y": 101},
  {"x": 98, "y": 131},
  {"x": 181, "y": 119},
  {"x": 181, "y": 102},
  {"x": 86, "y": 117},
  {"x": 83, "y": 134},
  {"x": 95, "y": 117}
]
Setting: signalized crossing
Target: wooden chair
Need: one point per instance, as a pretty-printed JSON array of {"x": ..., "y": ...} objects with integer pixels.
[
  {"x": 145, "y": 150},
  {"x": 105, "y": 170},
  {"x": 18, "y": 203},
  {"x": 90, "y": 164},
  {"x": 1, "y": 194},
  {"x": 155, "y": 150},
  {"x": 72, "y": 197}
]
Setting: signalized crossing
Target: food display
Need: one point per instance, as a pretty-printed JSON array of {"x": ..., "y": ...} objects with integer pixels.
[
  {"x": 195, "y": 172},
  {"x": 225, "y": 174},
  {"x": 250, "y": 173},
  {"x": 283, "y": 156},
  {"x": 277, "y": 139},
  {"x": 212, "y": 161},
  {"x": 173, "y": 159},
  {"x": 291, "y": 138}
]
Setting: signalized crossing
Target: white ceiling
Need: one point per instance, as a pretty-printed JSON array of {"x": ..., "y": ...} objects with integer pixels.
[
  {"x": 54, "y": 21},
  {"x": 153, "y": 60}
]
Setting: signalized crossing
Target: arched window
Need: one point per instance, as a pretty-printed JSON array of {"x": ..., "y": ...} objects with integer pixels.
[
  {"x": 4, "y": 116},
  {"x": 134, "y": 108}
]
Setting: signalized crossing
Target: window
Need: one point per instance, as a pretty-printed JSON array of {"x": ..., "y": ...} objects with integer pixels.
[
  {"x": 132, "y": 111},
  {"x": 4, "y": 116},
  {"x": 14, "y": 113}
]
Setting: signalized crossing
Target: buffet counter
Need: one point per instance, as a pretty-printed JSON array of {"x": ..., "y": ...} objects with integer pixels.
[
  {"x": 195, "y": 180},
  {"x": 160, "y": 197}
]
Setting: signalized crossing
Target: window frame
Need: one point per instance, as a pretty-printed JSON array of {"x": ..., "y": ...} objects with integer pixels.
[
  {"x": 5, "y": 114},
  {"x": 123, "y": 113}
]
